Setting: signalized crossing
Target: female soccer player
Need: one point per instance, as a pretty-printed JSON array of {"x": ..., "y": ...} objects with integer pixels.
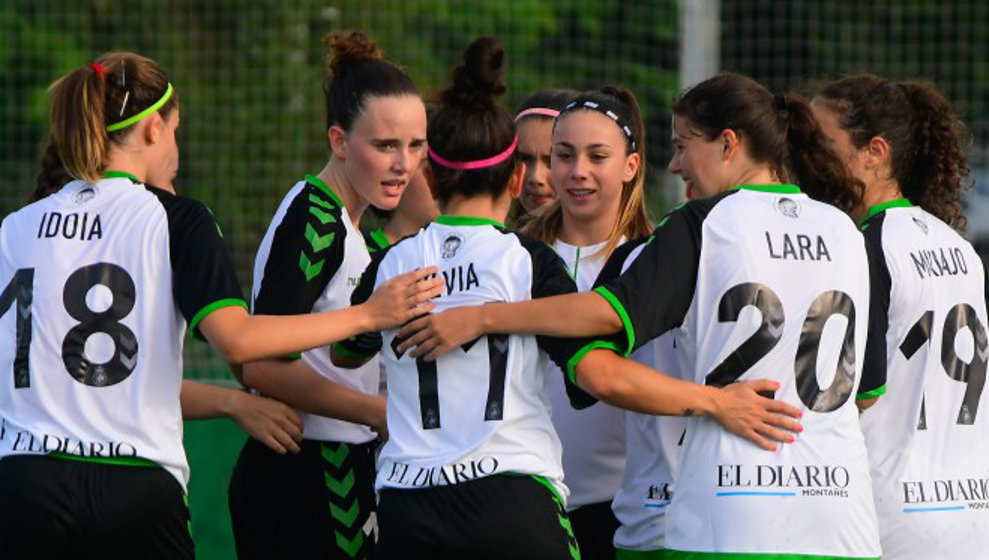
[
  {"x": 758, "y": 280},
  {"x": 928, "y": 442},
  {"x": 534, "y": 122},
  {"x": 97, "y": 284},
  {"x": 320, "y": 502},
  {"x": 456, "y": 446},
  {"x": 266, "y": 420},
  {"x": 598, "y": 178}
]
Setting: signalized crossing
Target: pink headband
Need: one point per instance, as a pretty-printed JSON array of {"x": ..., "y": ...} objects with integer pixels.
[
  {"x": 552, "y": 113},
  {"x": 479, "y": 164}
]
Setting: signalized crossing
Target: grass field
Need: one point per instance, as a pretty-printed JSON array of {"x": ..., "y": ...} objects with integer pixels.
[{"x": 212, "y": 447}]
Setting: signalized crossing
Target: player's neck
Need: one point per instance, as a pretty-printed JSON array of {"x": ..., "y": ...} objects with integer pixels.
[
  {"x": 120, "y": 160},
  {"x": 335, "y": 177},
  {"x": 879, "y": 192},
  {"x": 584, "y": 232},
  {"x": 480, "y": 206},
  {"x": 399, "y": 226}
]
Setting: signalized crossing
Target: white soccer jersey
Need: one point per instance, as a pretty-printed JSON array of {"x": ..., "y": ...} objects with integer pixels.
[
  {"x": 652, "y": 442},
  {"x": 765, "y": 283},
  {"x": 482, "y": 409},
  {"x": 928, "y": 439},
  {"x": 593, "y": 438},
  {"x": 97, "y": 283},
  {"x": 310, "y": 260}
]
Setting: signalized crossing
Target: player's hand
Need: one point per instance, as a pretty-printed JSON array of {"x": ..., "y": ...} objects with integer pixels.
[
  {"x": 436, "y": 334},
  {"x": 744, "y": 412},
  {"x": 403, "y": 298},
  {"x": 268, "y": 421}
]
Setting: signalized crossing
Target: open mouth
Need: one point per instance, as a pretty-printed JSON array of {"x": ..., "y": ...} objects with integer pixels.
[{"x": 580, "y": 194}]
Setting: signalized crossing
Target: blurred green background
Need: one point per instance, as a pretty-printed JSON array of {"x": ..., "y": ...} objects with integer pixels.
[{"x": 249, "y": 74}]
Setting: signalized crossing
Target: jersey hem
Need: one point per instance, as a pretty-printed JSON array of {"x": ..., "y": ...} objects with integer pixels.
[
  {"x": 117, "y": 461},
  {"x": 198, "y": 317},
  {"x": 669, "y": 554},
  {"x": 620, "y": 309},
  {"x": 629, "y": 554},
  {"x": 870, "y": 394}
]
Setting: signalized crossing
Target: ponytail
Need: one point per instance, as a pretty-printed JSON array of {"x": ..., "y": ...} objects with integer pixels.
[
  {"x": 811, "y": 162},
  {"x": 78, "y": 125}
]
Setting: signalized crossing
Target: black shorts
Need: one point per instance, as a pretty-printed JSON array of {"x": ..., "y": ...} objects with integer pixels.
[
  {"x": 497, "y": 517},
  {"x": 62, "y": 508},
  {"x": 594, "y": 525},
  {"x": 317, "y": 504}
]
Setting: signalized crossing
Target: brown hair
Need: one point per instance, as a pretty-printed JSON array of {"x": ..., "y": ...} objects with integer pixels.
[
  {"x": 633, "y": 217},
  {"x": 83, "y": 102},
  {"x": 924, "y": 135},
  {"x": 778, "y": 130},
  {"x": 356, "y": 72},
  {"x": 470, "y": 125}
]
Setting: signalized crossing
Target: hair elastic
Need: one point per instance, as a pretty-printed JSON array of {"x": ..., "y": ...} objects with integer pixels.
[
  {"x": 552, "y": 113},
  {"x": 479, "y": 164},
  {"x": 610, "y": 112},
  {"x": 154, "y": 107},
  {"x": 98, "y": 68}
]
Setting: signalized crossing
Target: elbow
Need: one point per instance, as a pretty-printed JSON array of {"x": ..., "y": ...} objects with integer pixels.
[
  {"x": 235, "y": 350},
  {"x": 596, "y": 377}
]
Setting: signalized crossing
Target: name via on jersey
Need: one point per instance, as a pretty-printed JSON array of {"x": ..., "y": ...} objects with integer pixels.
[
  {"x": 939, "y": 262},
  {"x": 404, "y": 474},
  {"x": 75, "y": 225},
  {"x": 797, "y": 247},
  {"x": 22, "y": 441},
  {"x": 460, "y": 278},
  {"x": 783, "y": 480}
]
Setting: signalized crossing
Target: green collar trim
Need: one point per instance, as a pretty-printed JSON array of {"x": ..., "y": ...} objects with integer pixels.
[
  {"x": 468, "y": 221},
  {"x": 317, "y": 182},
  {"x": 380, "y": 238},
  {"x": 778, "y": 188},
  {"x": 882, "y": 207},
  {"x": 111, "y": 174}
]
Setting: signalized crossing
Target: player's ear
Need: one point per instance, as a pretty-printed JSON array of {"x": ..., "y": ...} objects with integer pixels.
[
  {"x": 516, "y": 180},
  {"x": 338, "y": 141}
]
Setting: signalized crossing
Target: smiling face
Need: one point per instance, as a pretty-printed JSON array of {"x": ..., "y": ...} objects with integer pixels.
[
  {"x": 590, "y": 164},
  {"x": 384, "y": 147},
  {"x": 698, "y": 161},
  {"x": 535, "y": 145}
]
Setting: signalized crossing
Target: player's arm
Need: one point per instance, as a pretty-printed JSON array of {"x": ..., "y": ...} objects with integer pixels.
[
  {"x": 265, "y": 420},
  {"x": 295, "y": 383},
  {"x": 355, "y": 351},
  {"x": 240, "y": 337}
]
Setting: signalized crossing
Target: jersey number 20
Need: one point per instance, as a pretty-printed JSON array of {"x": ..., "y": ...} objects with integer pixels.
[
  {"x": 768, "y": 334},
  {"x": 89, "y": 322}
]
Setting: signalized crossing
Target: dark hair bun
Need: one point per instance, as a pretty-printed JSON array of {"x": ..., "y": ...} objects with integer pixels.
[
  {"x": 350, "y": 49},
  {"x": 478, "y": 80}
]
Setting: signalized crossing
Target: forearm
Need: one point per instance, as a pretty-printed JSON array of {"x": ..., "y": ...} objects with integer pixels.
[
  {"x": 297, "y": 385},
  {"x": 243, "y": 338},
  {"x": 630, "y": 385},
  {"x": 201, "y": 401},
  {"x": 570, "y": 315}
]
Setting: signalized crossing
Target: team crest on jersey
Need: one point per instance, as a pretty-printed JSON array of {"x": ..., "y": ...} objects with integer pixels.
[
  {"x": 451, "y": 245},
  {"x": 921, "y": 225},
  {"x": 788, "y": 207},
  {"x": 85, "y": 195}
]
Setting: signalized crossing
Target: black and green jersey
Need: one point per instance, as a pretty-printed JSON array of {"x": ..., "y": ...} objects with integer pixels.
[
  {"x": 928, "y": 438},
  {"x": 97, "y": 285},
  {"x": 762, "y": 283},
  {"x": 310, "y": 260},
  {"x": 376, "y": 240}
]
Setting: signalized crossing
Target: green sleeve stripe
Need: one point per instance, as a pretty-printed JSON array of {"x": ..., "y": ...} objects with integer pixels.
[
  {"x": 620, "y": 309},
  {"x": 198, "y": 317},
  {"x": 572, "y": 363},
  {"x": 119, "y": 461},
  {"x": 349, "y": 354},
  {"x": 870, "y": 394}
]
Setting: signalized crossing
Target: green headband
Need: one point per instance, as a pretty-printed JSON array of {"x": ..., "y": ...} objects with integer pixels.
[{"x": 131, "y": 120}]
